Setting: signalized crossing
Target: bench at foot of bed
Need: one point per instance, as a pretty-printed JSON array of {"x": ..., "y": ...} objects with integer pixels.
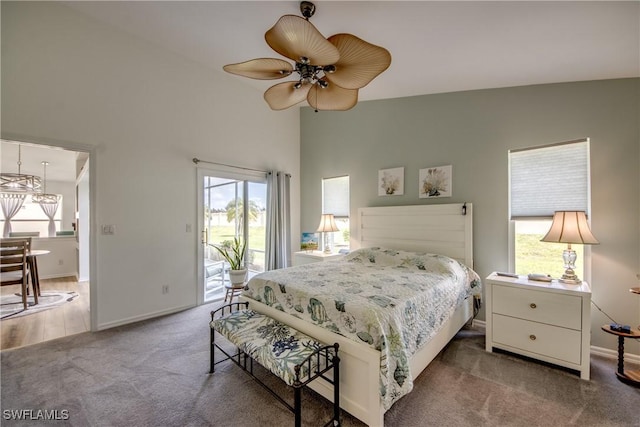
[{"x": 292, "y": 356}]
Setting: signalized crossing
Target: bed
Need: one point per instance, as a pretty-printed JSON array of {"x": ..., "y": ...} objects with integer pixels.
[{"x": 391, "y": 304}]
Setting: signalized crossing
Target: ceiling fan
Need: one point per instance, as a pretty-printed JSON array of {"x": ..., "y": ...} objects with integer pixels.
[{"x": 330, "y": 71}]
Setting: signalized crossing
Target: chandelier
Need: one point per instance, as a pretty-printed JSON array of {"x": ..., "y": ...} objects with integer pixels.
[
  {"x": 43, "y": 198},
  {"x": 329, "y": 71},
  {"x": 19, "y": 182}
]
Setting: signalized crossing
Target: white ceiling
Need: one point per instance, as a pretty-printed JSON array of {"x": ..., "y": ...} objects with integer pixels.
[{"x": 436, "y": 46}]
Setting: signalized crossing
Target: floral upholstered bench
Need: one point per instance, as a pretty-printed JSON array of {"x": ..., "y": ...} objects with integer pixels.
[{"x": 295, "y": 358}]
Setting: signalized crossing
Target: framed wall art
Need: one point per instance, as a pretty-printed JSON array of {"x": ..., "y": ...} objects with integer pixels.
[
  {"x": 435, "y": 182},
  {"x": 391, "y": 182},
  {"x": 309, "y": 242}
]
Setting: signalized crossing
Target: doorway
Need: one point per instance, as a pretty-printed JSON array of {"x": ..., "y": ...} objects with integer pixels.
[
  {"x": 65, "y": 266},
  {"x": 231, "y": 205}
]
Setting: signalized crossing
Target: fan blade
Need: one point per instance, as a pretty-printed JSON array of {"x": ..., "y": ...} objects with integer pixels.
[
  {"x": 261, "y": 68},
  {"x": 359, "y": 63},
  {"x": 284, "y": 95},
  {"x": 295, "y": 37},
  {"x": 333, "y": 98}
]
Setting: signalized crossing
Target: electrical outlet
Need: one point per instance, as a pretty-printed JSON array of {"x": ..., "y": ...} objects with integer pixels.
[
  {"x": 165, "y": 289},
  {"x": 60, "y": 262}
]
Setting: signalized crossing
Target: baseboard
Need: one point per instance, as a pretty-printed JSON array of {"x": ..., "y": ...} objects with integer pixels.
[
  {"x": 613, "y": 354},
  {"x": 600, "y": 351},
  {"x": 121, "y": 322},
  {"x": 56, "y": 276},
  {"x": 480, "y": 324}
]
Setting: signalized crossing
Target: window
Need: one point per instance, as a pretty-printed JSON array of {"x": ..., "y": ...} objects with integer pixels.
[
  {"x": 31, "y": 218},
  {"x": 335, "y": 200},
  {"x": 543, "y": 180}
]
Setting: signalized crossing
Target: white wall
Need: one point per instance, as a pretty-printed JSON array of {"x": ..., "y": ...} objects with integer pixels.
[
  {"x": 146, "y": 112},
  {"x": 68, "y": 208},
  {"x": 61, "y": 261},
  {"x": 83, "y": 230}
]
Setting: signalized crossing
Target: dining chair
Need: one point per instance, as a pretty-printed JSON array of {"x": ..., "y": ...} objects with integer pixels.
[
  {"x": 13, "y": 266},
  {"x": 30, "y": 264}
]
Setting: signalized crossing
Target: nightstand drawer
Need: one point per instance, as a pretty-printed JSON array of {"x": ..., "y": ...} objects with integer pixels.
[
  {"x": 550, "y": 341},
  {"x": 544, "y": 307}
]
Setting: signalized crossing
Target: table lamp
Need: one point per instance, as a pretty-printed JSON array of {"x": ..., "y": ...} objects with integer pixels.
[
  {"x": 327, "y": 225},
  {"x": 570, "y": 227}
]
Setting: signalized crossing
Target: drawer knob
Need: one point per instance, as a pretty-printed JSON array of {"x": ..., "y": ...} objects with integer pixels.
[
  {"x": 533, "y": 305},
  {"x": 532, "y": 337}
]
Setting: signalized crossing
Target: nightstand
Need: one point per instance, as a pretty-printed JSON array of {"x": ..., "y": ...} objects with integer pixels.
[
  {"x": 307, "y": 257},
  {"x": 545, "y": 321}
]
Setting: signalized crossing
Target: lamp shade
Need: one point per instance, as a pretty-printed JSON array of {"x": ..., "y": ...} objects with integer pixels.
[
  {"x": 327, "y": 224},
  {"x": 570, "y": 227}
]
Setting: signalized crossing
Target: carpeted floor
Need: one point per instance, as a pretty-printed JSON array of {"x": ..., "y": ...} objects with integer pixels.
[{"x": 154, "y": 373}]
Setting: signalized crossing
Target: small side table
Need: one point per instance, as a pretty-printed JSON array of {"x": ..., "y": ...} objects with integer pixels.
[
  {"x": 628, "y": 377},
  {"x": 233, "y": 291}
]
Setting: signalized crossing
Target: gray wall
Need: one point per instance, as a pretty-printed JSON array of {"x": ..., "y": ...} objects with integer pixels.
[{"x": 473, "y": 131}]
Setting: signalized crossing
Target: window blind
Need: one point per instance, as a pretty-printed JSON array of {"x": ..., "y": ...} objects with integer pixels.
[
  {"x": 335, "y": 196},
  {"x": 546, "y": 179}
]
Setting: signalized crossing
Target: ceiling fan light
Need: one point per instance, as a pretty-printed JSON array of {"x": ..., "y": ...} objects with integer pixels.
[
  {"x": 339, "y": 65},
  {"x": 329, "y": 69}
]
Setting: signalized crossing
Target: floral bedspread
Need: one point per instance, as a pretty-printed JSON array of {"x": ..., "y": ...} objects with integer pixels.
[{"x": 393, "y": 301}]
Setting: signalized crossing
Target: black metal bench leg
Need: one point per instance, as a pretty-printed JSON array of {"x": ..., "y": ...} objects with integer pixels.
[
  {"x": 296, "y": 405},
  {"x": 336, "y": 390},
  {"x": 211, "y": 363}
]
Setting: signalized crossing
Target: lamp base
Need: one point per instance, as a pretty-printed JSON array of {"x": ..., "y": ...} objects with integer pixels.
[
  {"x": 327, "y": 244},
  {"x": 569, "y": 277}
]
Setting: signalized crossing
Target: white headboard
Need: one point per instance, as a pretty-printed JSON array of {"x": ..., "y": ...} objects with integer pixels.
[{"x": 442, "y": 229}]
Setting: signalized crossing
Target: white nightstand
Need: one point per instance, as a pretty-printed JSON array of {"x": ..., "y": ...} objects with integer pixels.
[
  {"x": 306, "y": 257},
  {"x": 545, "y": 321}
]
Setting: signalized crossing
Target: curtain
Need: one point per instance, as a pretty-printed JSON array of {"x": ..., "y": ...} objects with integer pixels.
[
  {"x": 278, "y": 243},
  {"x": 49, "y": 210},
  {"x": 11, "y": 204}
]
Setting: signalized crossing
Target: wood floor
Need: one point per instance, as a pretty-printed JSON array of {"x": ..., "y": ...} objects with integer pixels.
[{"x": 68, "y": 319}]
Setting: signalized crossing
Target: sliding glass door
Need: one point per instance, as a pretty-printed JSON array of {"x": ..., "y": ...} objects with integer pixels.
[{"x": 231, "y": 206}]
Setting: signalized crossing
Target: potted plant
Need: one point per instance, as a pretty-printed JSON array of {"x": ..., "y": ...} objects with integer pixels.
[{"x": 233, "y": 252}]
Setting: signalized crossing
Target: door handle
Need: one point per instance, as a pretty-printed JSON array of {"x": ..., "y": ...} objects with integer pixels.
[{"x": 204, "y": 237}]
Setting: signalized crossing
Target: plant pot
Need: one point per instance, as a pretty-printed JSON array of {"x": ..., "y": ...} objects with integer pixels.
[{"x": 237, "y": 277}]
